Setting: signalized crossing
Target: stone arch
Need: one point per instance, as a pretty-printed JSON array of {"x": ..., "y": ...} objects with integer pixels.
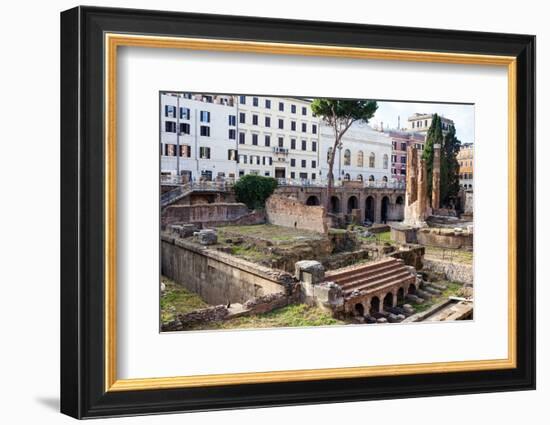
[
  {"x": 353, "y": 203},
  {"x": 359, "y": 309},
  {"x": 388, "y": 300},
  {"x": 411, "y": 289},
  {"x": 385, "y": 207},
  {"x": 347, "y": 177},
  {"x": 334, "y": 204},
  {"x": 369, "y": 208},
  {"x": 399, "y": 200},
  {"x": 400, "y": 295},
  {"x": 360, "y": 177},
  {"x": 313, "y": 200},
  {"x": 374, "y": 305},
  {"x": 371, "y": 178}
]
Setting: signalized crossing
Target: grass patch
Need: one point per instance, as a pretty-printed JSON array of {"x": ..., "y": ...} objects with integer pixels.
[
  {"x": 453, "y": 289},
  {"x": 269, "y": 232},
  {"x": 176, "y": 299},
  {"x": 294, "y": 315},
  {"x": 451, "y": 255},
  {"x": 247, "y": 252}
]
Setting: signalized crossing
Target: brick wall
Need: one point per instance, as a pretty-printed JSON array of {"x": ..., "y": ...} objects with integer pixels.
[{"x": 289, "y": 212}]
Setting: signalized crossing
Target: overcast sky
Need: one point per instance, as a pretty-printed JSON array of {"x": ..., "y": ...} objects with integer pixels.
[{"x": 462, "y": 115}]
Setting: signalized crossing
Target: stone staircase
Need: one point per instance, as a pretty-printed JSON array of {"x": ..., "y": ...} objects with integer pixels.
[{"x": 372, "y": 277}]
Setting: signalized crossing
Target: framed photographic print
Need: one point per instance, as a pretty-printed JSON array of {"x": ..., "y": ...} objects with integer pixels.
[{"x": 261, "y": 212}]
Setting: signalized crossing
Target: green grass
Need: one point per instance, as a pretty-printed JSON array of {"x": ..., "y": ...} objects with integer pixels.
[
  {"x": 247, "y": 252},
  {"x": 294, "y": 315},
  {"x": 268, "y": 232},
  {"x": 176, "y": 299},
  {"x": 452, "y": 255},
  {"x": 453, "y": 289}
]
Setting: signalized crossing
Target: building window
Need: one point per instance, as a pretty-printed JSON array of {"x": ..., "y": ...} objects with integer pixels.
[
  {"x": 360, "y": 177},
  {"x": 267, "y": 173},
  {"x": 403, "y": 159},
  {"x": 385, "y": 161},
  {"x": 292, "y": 143},
  {"x": 403, "y": 146},
  {"x": 254, "y": 119},
  {"x": 360, "y": 159},
  {"x": 372, "y": 158},
  {"x": 204, "y": 152},
  {"x": 241, "y": 138},
  {"x": 313, "y": 164},
  {"x": 293, "y": 125},
  {"x": 205, "y": 131},
  {"x": 304, "y": 163},
  {"x": 244, "y": 159},
  {"x": 270, "y": 161},
  {"x": 293, "y": 162},
  {"x": 426, "y": 123},
  {"x": 304, "y": 127},
  {"x": 304, "y": 145},
  {"x": 292, "y": 175},
  {"x": 267, "y": 140},
  {"x": 268, "y": 104},
  {"x": 170, "y": 126},
  {"x": 314, "y": 146},
  {"x": 281, "y": 123},
  {"x": 281, "y": 142},
  {"x": 255, "y": 101},
  {"x": 205, "y": 116},
  {"x": 268, "y": 121},
  {"x": 347, "y": 157},
  {"x": 231, "y": 155},
  {"x": 241, "y": 173},
  {"x": 314, "y": 128},
  {"x": 403, "y": 172},
  {"x": 185, "y": 128},
  {"x": 394, "y": 158},
  {"x": 232, "y": 134},
  {"x": 232, "y": 120},
  {"x": 293, "y": 109},
  {"x": 313, "y": 176},
  {"x": 255, "y": 139},
  {"x": 169, "y": 150},
  {"x": 185, "y": 151},
  {"x": 303, "y": 176},
  {"x": 281, "y": 106},
  {"x": 242, "y": 100},
  {"x": 371, "y": 178},
  {"x": 304, "y": 110},
  {"x": 185, "y": 113},
  {"x": 347, "y": 177},
  {"x": 242, "y": 117},
  {"x": 170, "y": 111}
]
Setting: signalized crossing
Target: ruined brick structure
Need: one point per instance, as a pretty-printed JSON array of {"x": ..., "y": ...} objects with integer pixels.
[
  {"x": 436, "y": 176},
  {"x": 416, "y": 199},
  {"x": 289, "y": 212}
]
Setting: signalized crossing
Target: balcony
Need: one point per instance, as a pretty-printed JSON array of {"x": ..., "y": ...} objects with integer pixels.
[{"x": 280, "y": 151}]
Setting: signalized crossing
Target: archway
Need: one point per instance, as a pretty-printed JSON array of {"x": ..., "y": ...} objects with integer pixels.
[
  {"x": 388, "y": 300},
  {"x": 399, "y": 200},
  {"x": 347, "y": 177},
  {"x": 359, "y": 177},
  {"x": 400, "y": 295},
  {"x": 334, "y": 204},
  {"x": 385, "y": 207},
  {"x": 369, "y": 209},
  {"x": 352, "y": 203},
  {"x": 313, "y": 200},
  {"x": 374, "y": 305},
  {"x": 359, "y": 310},
  {"x": 412, "y": 289}
]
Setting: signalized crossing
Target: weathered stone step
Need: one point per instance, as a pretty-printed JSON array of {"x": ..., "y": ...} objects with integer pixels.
[
  {"x": 366, "y": 269},
  {"x": 402, "y": 278},
  {"x": 367, "y": 277}
]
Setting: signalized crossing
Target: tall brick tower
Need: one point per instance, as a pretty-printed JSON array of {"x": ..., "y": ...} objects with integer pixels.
[{"x": 436, "y": 176}]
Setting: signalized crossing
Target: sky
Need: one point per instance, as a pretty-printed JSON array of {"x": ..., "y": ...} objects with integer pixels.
[{"x": 462, "y": 115}]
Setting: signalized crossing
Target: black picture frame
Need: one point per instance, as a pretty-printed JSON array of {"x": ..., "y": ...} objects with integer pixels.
[{"x": 83, "y": 392}]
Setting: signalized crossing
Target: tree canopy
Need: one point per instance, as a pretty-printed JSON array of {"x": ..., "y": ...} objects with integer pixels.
[
  {"x": 449, "y": 167},
  {"x": 253, "y": 190},
  {"x": 434, "y": 136}
]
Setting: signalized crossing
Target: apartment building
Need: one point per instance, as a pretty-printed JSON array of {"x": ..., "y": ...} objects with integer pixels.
[
  {"x": 465, "y": 159},
  {"x": 277, "y": 137},
  {"x": 198, "y": 136},
  {"x": 420, "y": 123},
  {"x": 401, "y": 140}
]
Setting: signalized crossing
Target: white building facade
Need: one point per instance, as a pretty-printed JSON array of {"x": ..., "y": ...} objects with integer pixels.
[
  {"x": 277, "y": 137},
  {"x": 364, "y": 155},
  {"x": 205, "y": 129}
]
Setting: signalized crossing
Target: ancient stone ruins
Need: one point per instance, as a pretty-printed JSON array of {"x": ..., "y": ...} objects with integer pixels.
[{"x": 243, "y": 262}]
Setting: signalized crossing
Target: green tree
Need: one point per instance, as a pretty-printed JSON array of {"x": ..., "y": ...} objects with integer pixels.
[
  {"x": 253, "y": 190},
  {"x": 340, "y": 115},
  {"x": 449, "y": 167},
  {"x": 434, "y": 136}
]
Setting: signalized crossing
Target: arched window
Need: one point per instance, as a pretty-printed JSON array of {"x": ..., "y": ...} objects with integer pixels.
[
  {"x": 347, "y": 177},
  {"x": 360, "y": 159},
  {"x": 371, "y": 178},
  {"x": 360, "y": 177},
  {"x": 329, "y": 154},
  {"x": 385, "y": 179},
  {"x": 371, "y": 160},
  {"x": 347, "y": 157},
  {"x": 385, "y": 161}
]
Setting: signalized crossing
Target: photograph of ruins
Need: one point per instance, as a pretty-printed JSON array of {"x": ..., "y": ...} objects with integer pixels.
[{"x": 298, "y": 212}]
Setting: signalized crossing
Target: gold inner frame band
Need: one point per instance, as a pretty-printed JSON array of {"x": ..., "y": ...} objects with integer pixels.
[{"x": 113, "y": 41}]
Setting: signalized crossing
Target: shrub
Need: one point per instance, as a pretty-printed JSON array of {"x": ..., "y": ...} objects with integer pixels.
[{"x": 253, "y": 190}]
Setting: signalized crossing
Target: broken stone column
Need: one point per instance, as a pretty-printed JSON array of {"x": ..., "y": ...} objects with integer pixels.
[
  {"x": 412, "y": 165},
  {"x": 309, "y": 273},
  {"x": 436, "y": 175}
]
